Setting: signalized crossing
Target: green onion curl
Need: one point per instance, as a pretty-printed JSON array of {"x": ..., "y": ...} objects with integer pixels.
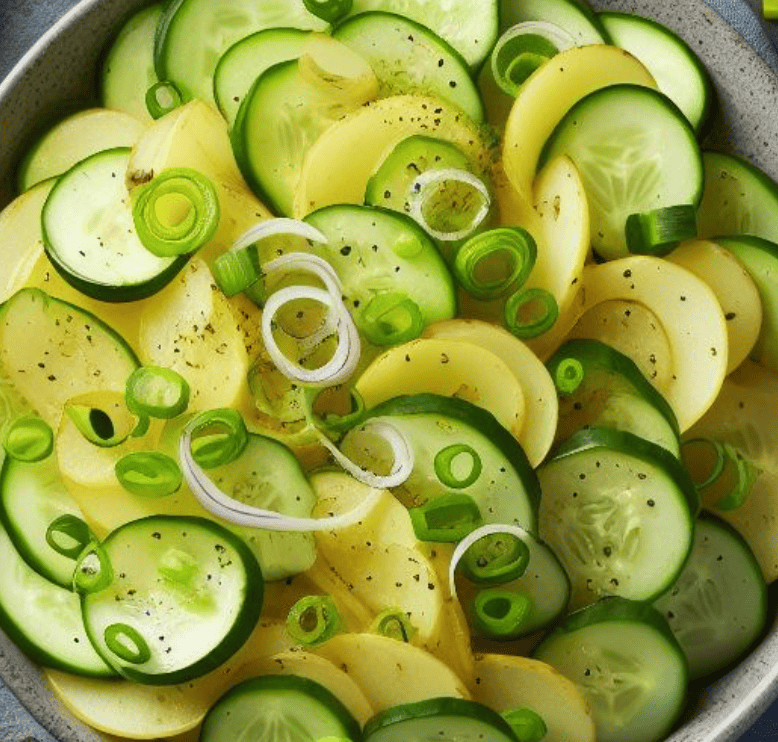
[
  {"x": 445, "y": 518},
  {"x": 569, "y": 375},
  {"x": 314, "y": 620},
  {"x": 126, "y": 643},
  {"x": 29, "y": 439},
  {"x": 495, "y": 558},
  {"x": 500, "y": 614},
  {"x": 68, "y": 535},
  {"x": 93, "y": 570},
  {"x": 452, "y": 457},
  {"x": 162, "y": 98},
  {"x": 148, "y": 474},
  {"x": 217, "y": 437},
  {"x": 155, "y": 391},
  {"x": 531, "y": 312},
  {"x": 395, "y": 624},
  {"x": 391, "y": 318}
]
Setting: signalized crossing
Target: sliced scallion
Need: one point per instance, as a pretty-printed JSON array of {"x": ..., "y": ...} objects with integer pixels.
[
  {"x": 237, "y": 270},
  {"x": 330, "y": 11},
  {"x": 148, "y": 473},
  {"x": 217, "y": 437},
  {"x": 499, "y": 613},
  {"x": 154, "y": 391},
  {"x": 162, "y": 98},
  {"x": 527, "y": 725},
  {"x": 391, "y": 318},
  {"x": 745, "y": 475},
  {"x": 314, "y": 620},
  {"x": 93, "y": 571},
  {"x": 660, "y": 231},
  {"x": 569, "y": 375},
  {"x": 68, "y": 535},
  {"x": 394, "y": 623},
  {"x": 705, "y": 460},
  {"x": 176, "y": 213},
  {"x": 531, "y": 312},
  {"x": 127, "y": 643},
  {"x": 492, "y": 263},
  {"x": 458, "y": 465},
  {"x": 29, "y": 439},
  {"x": 445, "y": 518},
  {"x": 102, "y": 418},
  {"x": 495, "y": 558},
  {"x": 329, "y": 419}
]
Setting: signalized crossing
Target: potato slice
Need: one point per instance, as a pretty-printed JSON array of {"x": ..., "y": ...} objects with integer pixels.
[
  {"x": 550, "y": 93},
  {"x": 446, "y": 366},
  {"x": 378, "y": 127},
  {"x": 505, "y": 682},
  {"x": 390, "y": 672},
  {"x": 320, "y": 670},
  {"x": 735, "y": 289},
  {"x": 134, "y": 711},
  {"x": 540, "y": 399}
]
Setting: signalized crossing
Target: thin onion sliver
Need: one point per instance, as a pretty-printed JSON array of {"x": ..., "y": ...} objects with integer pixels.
[{"x": 280, "y": 226}]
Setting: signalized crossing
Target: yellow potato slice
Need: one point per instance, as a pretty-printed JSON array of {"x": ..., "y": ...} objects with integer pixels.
[
  {"x": 320, "y": 670},
  {"x": 550, "y": 93},
  {"x": 744, "y": 416},
  {"x": 390, "y": 672},
  {"x": 20, "y": 236},
  {"x": 326, "y": 179},
  {"x": 446, "y": 366},
  {"x": 75, "y": 138},
  {"x": 505, "y": 682},
  {"x": 689, "y": 314},
  {"x": 135, "y": 711},
  {"x": 540, "y": 398},
  {"x": 735, "y": 289},
  {"x": 191, "y": 328}
]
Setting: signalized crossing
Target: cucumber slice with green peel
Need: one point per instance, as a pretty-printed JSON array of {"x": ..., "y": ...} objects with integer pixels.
[
  {"x": 574, "y": 16},
  {"x": 738, "y": 199},
  {"x": 409, "y": 58},
  {"x": 183, "y": 595},
  {"x": 760, "y": 258},
  {"x": 247, "y": 59},
  {"x": 271, "y": 708},
  {"x": 41, "y": 518},
  {"x": 625, "y": 660},
  {"x": 442, "y": 719},
  {"x": 267, "y": 475},
  {"x": 469, "y": 26},
  {"x": 90, "y": 237},
  {"x": 53, "y": 351},
  {"x": 618, "y": 511},
  {"x": 187, "y": 48},
  {"x": 393, "y": 278},
  {"x": 449, "y": 435},
  {"x": 43, "y": 619},
  {"x": 598, "y": 385},
  {"x": 718, "y": 606},
  {"x": 676, "y": 68},
  {"x": 636, "y": 152},
  {"x": 128, "y": 69}
]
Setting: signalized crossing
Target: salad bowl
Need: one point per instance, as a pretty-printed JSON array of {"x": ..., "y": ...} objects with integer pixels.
[{"x": 59, "y": 74}]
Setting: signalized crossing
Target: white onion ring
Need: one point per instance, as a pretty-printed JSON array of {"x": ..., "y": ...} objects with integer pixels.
[
  {"x": 471, "y": 538},
  {"x": 223, "y": 506},
  {"x": 346, "y": 356},
  {"x": 429, "y": 179},
  {"x": 273, "y": 227},
  {"x": 309, "y": 263},
  {"x": 401, "y": 451}
]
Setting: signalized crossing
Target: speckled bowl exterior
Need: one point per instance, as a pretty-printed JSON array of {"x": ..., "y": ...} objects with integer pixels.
[{"x": 59, "y": 73}]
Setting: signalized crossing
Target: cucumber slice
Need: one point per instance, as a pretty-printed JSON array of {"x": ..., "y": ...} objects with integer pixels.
[
  {"x": 718, "y": 606},
  {"x": 44, "y": 619},
  {"x": 408, "y": 58},
  {"x": 185, "y": 594},
  {"x": 391, "y": 273},
  {"x": 635, "y": 151},
  {"x": 54, "y": 351},
  {"x": 187, "y": 50},
  {"x": 760, "y": 258},
  {"x": 618, "y": 511},
  {"x": 32, "y": 498},
  {"x": 247, "y": 59},
  {"x": 443, "y": 719},
  {"x": 470, "y": 26},
  {"x": 128, "y": 69},
  {"x": 90, "y": 237},
  {"x": 676, "y": 68},
  {"x": 272, "y": 708},
  {"x": 574, "y": 16},
  {"x": 505, "y": 490},
  {"x": 610, "y": 391},
  {"x": 738, "y": 198},
  {"x": 267, "y": 475},
  {"x": 629, "y": 666}
]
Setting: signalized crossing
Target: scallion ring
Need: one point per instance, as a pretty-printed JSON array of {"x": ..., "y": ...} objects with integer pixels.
[
  {"x": 450, "y": 204},
  {"x": 217, "y": 437},
  {"x": 704, "y": 459},
  {"x": 495, "y": 558},
  {"x": 569, "y": 375},
  {"x": 494, "y": 262},
  {"x": 527, "y": 725},
  {"x": 29, "y": 439},
  {"x": 103, "y": 418},
  {"x": 449, "y": 463},
  {"x": 155, "y": 391},
  {"x": 522, "y": 49},
  {"x": 395, "y": 624},
  {"x": 237, "y": 270},
  {"x": 93, "y": 571},
  {"x": 500, "y": 614},
  {"x": 391, "y": 318},
  {"x": 162, "y": 98},
  {"x": 445, "y": 518},
  {"x": 745, "y": 474},
  {"x": 314, "y": 620},
  {"x": 148, "y": 473},
  {"x": 330, "y": 11},
  {"x": 530, "y": 312},
  {"x": 126, "y": 643},
  {"x": 176, "y": 213},
  {"x": 68, "y": 535}
]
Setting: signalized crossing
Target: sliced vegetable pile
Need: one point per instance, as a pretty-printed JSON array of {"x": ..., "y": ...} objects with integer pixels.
[{"x": 375, "y": 371}]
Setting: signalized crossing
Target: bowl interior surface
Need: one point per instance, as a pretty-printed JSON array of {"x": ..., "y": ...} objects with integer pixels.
[{"x": 59, "y": 74}]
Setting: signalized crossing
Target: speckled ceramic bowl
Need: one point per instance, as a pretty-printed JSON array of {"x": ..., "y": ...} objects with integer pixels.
[{"x": 60, "y": 70}]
